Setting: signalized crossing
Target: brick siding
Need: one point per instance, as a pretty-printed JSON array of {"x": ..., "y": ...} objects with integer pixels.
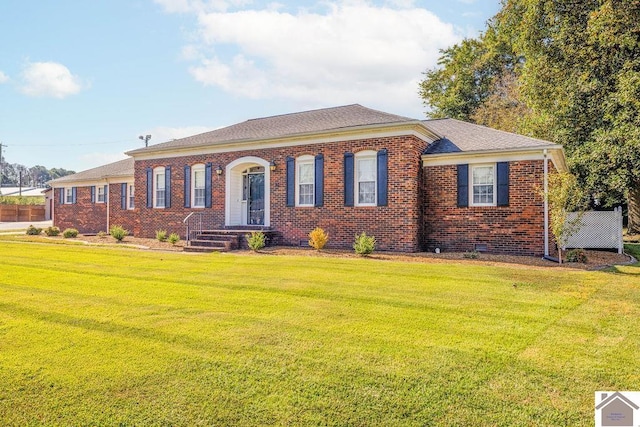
[
  {"x": 395, "y": 226},
  {"x": 89, "y": 218},
  {"x": 514, "y": 229}
]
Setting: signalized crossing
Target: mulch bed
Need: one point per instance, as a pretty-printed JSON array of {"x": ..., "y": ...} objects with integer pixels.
[{"x": 596, "y": 259}]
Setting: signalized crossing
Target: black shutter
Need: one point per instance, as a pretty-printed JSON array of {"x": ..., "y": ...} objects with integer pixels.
[
  {"x": 382, "y": 177},
  {"x": 123, "y": 196},
  {"x": 463, "y": 186},
  {"x": 74, "y": 194},
  {"x": 149, "y": 187},
  {"x": 291, "y": 181},
  {"x": 167, "y": 187},
  {"x": 187, "y": 186},
  {"x": 207, "y": 185},
  {"x": 62, "y": 196},
  {"x": 93, "y": 194},
  {"x": 106, "y": 193},
  {"x": 348, "y": 179},
  {"x": 319, "y": 180},
  {"x": 503, "y": 183}
]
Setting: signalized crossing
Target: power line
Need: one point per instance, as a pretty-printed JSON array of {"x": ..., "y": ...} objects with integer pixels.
[{"x": 68, "y": 145}]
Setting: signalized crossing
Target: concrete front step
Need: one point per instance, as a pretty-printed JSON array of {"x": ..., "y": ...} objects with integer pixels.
[{"x": 223, "y": 240}]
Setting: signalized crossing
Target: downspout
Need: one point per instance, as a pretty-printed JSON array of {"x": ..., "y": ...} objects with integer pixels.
[
  {"x": 108, "y": 204},
  {"x": 53, "y": 205},
  {"x": 546, "y": 203}
]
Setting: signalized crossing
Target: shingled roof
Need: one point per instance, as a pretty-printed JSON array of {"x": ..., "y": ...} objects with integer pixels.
[
  {"x": 459, "y": 136},
  {"x": 323, "y": 120},
  {"x": 122, "y": 168}
]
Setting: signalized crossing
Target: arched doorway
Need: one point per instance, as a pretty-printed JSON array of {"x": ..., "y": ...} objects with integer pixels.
[{"x": 247, "y": 192}]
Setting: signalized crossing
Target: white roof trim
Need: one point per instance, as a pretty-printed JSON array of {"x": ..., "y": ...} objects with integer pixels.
[{"x": 556, "y": 153}]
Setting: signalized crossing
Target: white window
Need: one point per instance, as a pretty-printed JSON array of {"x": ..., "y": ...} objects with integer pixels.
[
  {"x": 100, "y": 189},
  {"x": 131, "y": 189},
  {"x": 483, "y": 185},
  {"x": 158, "y": 185},
  {"x": 366, "y": 178},
  {"x": 198, "y": 186},
  {"x": 305, "y": 177},
  {"x": 68, "y": 195}
]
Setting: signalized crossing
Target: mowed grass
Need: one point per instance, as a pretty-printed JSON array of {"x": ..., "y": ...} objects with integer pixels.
[{"x": 100, "y": 336}]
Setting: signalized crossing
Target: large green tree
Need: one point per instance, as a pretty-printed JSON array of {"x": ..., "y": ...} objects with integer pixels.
[{"x": 575, "y": 80}]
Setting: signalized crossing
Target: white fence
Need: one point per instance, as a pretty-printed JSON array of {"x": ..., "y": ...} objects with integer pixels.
[{"x": 597, "y": 230}]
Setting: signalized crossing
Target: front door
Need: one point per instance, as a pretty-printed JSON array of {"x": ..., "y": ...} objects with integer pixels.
[{"x": 254, "y": 195}]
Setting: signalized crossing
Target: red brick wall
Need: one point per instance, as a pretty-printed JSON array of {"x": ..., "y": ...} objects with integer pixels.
[
  {"x": 89, "y": 217},
  {"x": 395, "y": 226},
  {"x": 83, "y": 215},
  {"x": 127, "y": 218},
  {"x": 514, "y": 229}
]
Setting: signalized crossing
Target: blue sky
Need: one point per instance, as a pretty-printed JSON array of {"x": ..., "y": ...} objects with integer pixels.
[{"x": 81, "y": 80}]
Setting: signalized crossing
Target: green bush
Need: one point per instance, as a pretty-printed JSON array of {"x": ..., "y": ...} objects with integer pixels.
[
  {"x": 577, "y": 255},
  {"x": 33, "y": 231},
  {"x": 70, "y": 233},
  {"x": 256, "y": 240},
  {"x": 22, "y": 200},
  {"x": 471, "y": 255},
  {"x": 364, "y": 245},
  {"x": 52, "y": 231},
  {"x": 118, "y": 232},
  {"x": 174, "y": 238},
  {"x": 102, "y": 234},
  {"x": 161, "y": 235}
]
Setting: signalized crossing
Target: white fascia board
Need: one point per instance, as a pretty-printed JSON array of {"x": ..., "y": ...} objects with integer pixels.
[
  {"x": 415, "y": 128},
  {"x": 492, "y": 156},
  {"x": 99, "y": 181}
]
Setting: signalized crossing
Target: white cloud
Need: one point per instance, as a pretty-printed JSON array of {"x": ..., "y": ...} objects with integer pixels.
[
  {"x": 353, "y": 52},
  {"x": 163, "y": 133},
  {"x": 3, "y": 77},
  {"x": 49, "y": 79}
]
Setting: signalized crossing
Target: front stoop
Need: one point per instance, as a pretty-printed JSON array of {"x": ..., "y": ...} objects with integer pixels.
[{"x": 224, "y": 240}]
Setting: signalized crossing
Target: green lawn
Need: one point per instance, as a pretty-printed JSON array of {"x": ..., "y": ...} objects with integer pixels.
[{"x": 101, "y": 336}]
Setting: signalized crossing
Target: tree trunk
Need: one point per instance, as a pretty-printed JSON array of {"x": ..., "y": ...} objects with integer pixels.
[{"x": 634, "y": 210}]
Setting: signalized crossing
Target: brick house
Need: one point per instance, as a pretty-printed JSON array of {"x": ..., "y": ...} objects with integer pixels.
[{"x": 413, "y": 184}]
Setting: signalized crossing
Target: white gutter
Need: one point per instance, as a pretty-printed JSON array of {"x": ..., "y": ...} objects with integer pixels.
[{"x": 546, "y": 204}]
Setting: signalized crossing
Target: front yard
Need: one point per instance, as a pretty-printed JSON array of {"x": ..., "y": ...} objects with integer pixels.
[{"x": 108, "y": 336}]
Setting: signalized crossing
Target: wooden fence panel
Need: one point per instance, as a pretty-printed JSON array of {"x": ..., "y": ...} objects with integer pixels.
[{"x": 22, "y": 213}]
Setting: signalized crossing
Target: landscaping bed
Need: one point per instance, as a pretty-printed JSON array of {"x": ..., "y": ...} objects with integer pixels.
[{"x": 595, "y": 259}]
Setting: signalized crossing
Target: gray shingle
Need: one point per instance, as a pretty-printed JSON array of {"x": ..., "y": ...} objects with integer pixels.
[
  {"x": 459, "y": 136},
  {"x": 326, "y": 119},
  {"x": 122, "y": 168}
]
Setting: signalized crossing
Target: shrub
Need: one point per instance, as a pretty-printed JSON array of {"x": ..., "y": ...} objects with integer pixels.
[
  {"x": 102, "y": 234},
  {"x": 161, "y": 235},
  {"x": 318, "y": 238},
  {"x": 471, "y": 255},
  {"x": 577, "y": 255},
  {"x": 364, "y": 245},
  {"x": 70, "y": 233},
  {"x": 174, "y": 238},
  {"x": 33, "y": 231},
  {"x": 52, "y": 231},
  {"x": 118, "y": 232},
  {"x": 256, "y": 240}
]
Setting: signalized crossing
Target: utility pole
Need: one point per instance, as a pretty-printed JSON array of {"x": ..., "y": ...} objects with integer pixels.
[{"x": 1, "y": 163}]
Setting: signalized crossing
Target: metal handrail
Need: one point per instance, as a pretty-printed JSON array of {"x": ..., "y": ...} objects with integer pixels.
[{"x": 191, "y": 225}]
